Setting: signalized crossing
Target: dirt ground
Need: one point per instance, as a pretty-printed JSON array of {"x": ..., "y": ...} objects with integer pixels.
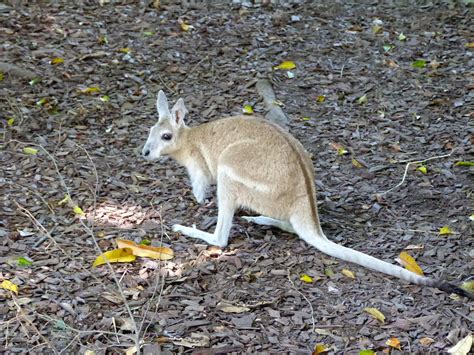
[{"x": 389, "y": 84}]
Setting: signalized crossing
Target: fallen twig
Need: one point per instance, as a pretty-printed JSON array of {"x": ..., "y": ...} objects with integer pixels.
[
  {"x": 89, "y": 230},
  {"x": 307, "y": 300},
  {"x": 96, "y": 244},
  {"x": 412, "y": 163}
]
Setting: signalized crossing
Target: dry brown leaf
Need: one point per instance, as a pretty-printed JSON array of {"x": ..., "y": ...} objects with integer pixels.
[
  {"x": 426, "y": 341},
  {"x": 228, "y": 308},
  {"x": 394, "y": 343},
  {"x": 196, "y": 340}
]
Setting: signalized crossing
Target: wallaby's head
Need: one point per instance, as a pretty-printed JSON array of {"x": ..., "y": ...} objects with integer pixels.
[{"x": 164, "y": 135}]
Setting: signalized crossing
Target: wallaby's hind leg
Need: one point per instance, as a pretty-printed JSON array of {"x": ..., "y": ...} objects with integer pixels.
[
  {"x": 267, "y": 221},
  {"x": 220, "y": 237}
]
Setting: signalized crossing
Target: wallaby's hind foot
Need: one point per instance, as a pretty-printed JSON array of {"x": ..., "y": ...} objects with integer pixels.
[
  {"x": 267, "y": 221},
  {"x": 198, "y": 234}
]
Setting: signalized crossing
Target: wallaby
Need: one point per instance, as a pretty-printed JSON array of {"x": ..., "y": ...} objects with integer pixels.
[{"x": 258, "y": 166}]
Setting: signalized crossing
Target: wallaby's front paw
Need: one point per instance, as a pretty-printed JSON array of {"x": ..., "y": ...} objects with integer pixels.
[{"x": 199, "y": 196}]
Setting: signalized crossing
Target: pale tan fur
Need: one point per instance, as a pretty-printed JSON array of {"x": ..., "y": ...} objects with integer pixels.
[{"x": 258, "y": 166}]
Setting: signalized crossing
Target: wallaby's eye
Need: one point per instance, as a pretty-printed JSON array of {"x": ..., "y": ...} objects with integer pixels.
[{"x": 166, "y": 136}]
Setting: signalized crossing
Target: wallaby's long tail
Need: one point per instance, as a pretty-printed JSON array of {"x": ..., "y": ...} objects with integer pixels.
[{"x": 338, "y": 251}]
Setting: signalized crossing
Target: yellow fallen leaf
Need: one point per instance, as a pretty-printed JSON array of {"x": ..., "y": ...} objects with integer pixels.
[
  {"x": 340, "y": 149},
  {"x": 464, "y": 163},
  {"x": 468, "y": 285},
  {"x": 356, "y": 163},
  {"x": 367, "y": 352},
  {"x": 90, "y": 90},
  {"x": 426, "y": 341},
  {"x": 29, "y": 150},
  {"x": 66, "y": 199},
  {"x": 42, "y": 101},
  {"x": 306, "y": 278},
  {"x": 320, "y": 349},
  {"x": 362, "y": 100},
  {"x": 185, "y": 27},
  {"x": 125, "y": 50},
  {"x": 115, "y": 256},
  {"x": 394, "y": 343},
  {"x": 10, "y": 121},
  {"x": 103, "y": 39},
  {"x": 2, "y": 75},
  {"x": 78, "y": 211},
  {"x": 471, "y": 217},
  {"x": 105, "y": 98},
  {"x": 409, "y": 263},
  {"x": 463, "y": 347},
  {"x": 320, "y": 99},
  {"x": 375, "y": 313},
  {"x": 286, "y": 65},
  {"x": 422, "y": 169},
  {"x": 348, "y": 273},
  {"x": 147, "y": 251},
  {"x": 247, "y": 109},
  {"x": 376, "y": 29},
  {"x": 445, "y": 230},
  {"x": 8, "y": 285},
  {"x": 57, "y": 60},
  {"x": 470, "y": 45}
]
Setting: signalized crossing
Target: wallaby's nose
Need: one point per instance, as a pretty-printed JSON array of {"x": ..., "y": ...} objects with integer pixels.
[{"x": 146, "y": 152}]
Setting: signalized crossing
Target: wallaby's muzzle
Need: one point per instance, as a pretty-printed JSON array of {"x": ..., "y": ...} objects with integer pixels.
[{"x": 146, "y": 152}]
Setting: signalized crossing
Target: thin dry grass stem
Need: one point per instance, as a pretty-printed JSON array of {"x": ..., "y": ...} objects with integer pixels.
[
  {"x": 412, "y": 163},
  {"x": 81, "y": 333},
  {"x": 157, "y": 304},
  {"x": 165, "y": 85},
  {"x": 38, "y": 225},
  {"x": 88, "y": 229},
  {"x": 19, "y": 118},
  {"x": 31, "y": 324},
  {"x": 306, "y": 299},
  {"x": 34, "y": 193}
]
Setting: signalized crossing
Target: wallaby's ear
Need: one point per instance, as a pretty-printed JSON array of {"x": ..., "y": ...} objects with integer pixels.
[
  {"x": 178, "y": 112},
  {"x": 162, "y": 106}
]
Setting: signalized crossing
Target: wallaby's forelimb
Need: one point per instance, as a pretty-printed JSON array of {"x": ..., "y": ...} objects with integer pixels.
[{"x": 226, "y": 210}]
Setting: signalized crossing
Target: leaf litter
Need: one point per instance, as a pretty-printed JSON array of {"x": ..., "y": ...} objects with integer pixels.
[{"x": 212, "y": 64}]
